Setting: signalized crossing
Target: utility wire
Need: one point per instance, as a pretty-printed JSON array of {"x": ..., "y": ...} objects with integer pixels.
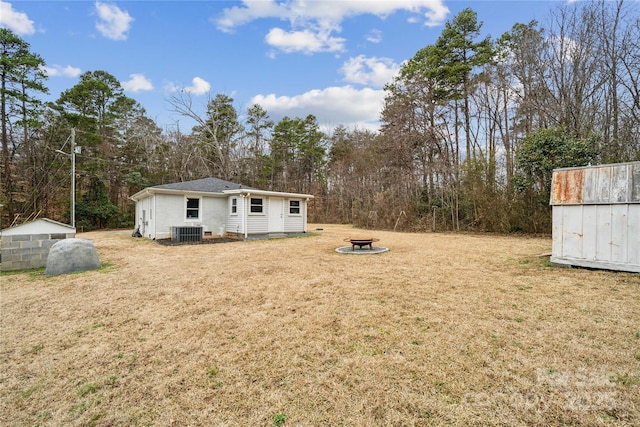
[{"x": 39, "y": 188}]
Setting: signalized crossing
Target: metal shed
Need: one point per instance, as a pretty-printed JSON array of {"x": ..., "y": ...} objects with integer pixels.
[
  {"x": 596, "y": 217},
  {"x": 26, "y": 246}
]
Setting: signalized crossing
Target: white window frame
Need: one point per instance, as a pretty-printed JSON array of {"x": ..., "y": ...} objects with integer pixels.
[
  {"x": 186, "y": 208},
  {"x": 251, "y": 205},
  {"x": 299, "y": 207},
  {"x": 233, "y": 207}
]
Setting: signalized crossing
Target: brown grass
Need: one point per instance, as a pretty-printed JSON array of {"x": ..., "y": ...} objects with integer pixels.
[{"x": 444, "y": 329}]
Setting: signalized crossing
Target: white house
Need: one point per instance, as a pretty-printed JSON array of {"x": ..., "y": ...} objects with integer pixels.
[{"x": 218, "y": 207}]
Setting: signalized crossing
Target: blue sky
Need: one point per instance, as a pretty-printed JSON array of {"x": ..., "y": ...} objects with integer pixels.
[{"x": 294, "y": 58}]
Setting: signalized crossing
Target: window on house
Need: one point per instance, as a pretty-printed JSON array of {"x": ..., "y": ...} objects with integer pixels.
[
  {"x": 256, "y": 205},
  {"x": 234, "y": 205},
  {"x": 294, "y": 207},
  {"x": 193, "y": 208}
]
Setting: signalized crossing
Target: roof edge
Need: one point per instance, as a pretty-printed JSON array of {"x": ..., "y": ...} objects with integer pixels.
[
  {"x": 154, "y": 190},
  {"x": 246, "y": 191}
]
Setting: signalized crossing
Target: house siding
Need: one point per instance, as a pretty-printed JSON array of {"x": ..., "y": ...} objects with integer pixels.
[
  {"x": 234, "y": 222},
  {"x": 212, "y": 215},
  {"x": 257, "y": 224},
  {"x": 173, "y": 214},
  {"x": 144, "y": 217},
  {"x": 294, "y": 223}
]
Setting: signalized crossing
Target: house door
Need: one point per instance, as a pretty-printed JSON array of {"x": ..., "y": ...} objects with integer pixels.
[{"x": 276, "y": 217}]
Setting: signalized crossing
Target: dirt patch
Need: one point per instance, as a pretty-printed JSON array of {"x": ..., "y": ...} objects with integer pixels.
[{"x": 443, "y": 329}]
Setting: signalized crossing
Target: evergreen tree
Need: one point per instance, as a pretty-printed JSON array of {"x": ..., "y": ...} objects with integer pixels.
[
  {"x": 259, "y": 128},
  {"x": 297, "y": 153},
  {"x": 217, "y": 136},
  {"x": 21, "y": 81},
  {"x": 97, "y": 107},
  {"x": 456, "y": 56}
]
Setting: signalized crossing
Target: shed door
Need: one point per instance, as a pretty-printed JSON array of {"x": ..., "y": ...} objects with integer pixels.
[{"x": 276, "y": 220}]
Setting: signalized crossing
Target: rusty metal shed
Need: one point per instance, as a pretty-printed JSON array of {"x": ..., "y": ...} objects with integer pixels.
[{"x": 596, "y": 217}]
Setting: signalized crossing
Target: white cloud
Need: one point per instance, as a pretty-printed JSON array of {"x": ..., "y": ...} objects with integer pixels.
[
  {"x": 17, "y": 22},
  {"x": 250, "y": 11},
  {"x": 137, "y": 83},
  {"x": 434, "y": 12},
  {"x": 303, "y": 41},
  {"x": 374, "y": 36},
  {"x": 199, "y": 86},
  {"x": 114, "y": 23},
  {"x": 369, "y": 70},
  {"x": 313, "y": 22},
  {"x": 564, "y": 49},
  {"x": 332, "y": 106},
  {"x": 435, "y": 16},
  {"x": 60, "y": 71}
]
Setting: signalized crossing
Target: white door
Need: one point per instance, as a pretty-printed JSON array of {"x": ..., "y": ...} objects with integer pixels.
[{"x": 276, "y": 217}]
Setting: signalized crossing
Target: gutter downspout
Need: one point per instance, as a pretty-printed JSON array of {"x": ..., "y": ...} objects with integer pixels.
[
  {"x": 153, "y": 209},
  {"x": 245, "y": 215}
]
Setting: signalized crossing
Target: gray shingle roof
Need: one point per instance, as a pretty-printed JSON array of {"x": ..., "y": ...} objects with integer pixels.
[{"x": 209, "y": 185}]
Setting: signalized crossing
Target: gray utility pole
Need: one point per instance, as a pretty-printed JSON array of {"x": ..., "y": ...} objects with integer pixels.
[{"x": 73, "y": 176}]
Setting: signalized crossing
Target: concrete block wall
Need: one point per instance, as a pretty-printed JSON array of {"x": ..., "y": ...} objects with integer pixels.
[{"x": 27, "y": 251}]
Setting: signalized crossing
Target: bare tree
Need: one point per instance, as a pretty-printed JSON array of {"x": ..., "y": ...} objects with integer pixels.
[{"x": 216, "y": 131}]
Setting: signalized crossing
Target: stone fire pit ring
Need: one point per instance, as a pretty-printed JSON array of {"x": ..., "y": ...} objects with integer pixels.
[{"x": 362, "y": 246}]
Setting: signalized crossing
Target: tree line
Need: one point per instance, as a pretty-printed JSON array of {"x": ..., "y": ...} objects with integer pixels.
[{"x": 472, "y": 128}]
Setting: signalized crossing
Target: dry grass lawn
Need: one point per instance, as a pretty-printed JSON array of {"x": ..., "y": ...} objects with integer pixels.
[{"x": 444, "y": 329}]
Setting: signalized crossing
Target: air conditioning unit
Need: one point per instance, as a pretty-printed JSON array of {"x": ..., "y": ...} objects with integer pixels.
[{"x": 186, "y": 234}]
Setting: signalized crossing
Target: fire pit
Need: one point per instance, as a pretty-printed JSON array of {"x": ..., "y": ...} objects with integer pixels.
[{"x": 361, "y": 241}]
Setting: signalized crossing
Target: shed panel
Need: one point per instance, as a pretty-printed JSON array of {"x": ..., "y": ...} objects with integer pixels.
[
  {"x": 589, "y": 238},
  {"x": 597, "y": 236},
  {"x": 634, "y": 235},
  {"x": 568, "y": 186},
  {"x": 572, "y": 231},
  {"x": 590, "y": 191},
  {"x": 603, "y": 186},
  {"x": 619, "y": 184},
  {"x": 634, "y": 185},
  {"x": 597, "y": 184},
  {"x": 619, "y": 237},
  {"x": 603, "y": 229}
]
